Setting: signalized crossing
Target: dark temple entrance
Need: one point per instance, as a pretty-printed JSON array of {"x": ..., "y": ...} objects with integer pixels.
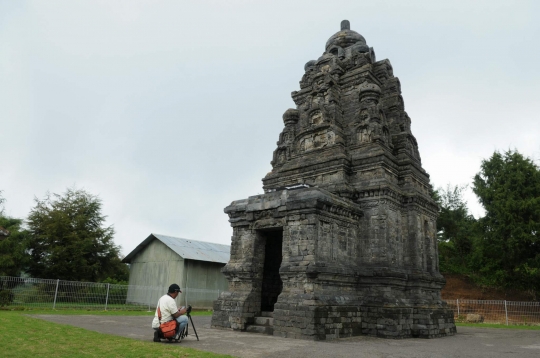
[{"x": 271, "y": 283}]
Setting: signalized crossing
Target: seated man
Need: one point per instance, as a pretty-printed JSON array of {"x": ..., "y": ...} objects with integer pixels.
[{"x": 169, "y": 311}]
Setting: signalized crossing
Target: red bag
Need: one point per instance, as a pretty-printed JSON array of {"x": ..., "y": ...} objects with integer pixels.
[{"x": 168, "y": 329}]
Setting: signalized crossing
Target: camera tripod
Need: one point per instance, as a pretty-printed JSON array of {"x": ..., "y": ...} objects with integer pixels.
[{"x": 188, "y": 313}]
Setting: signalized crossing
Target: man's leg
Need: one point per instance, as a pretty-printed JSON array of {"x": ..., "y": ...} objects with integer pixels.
[
  {"x": 182, "y": 323},
  {"x": 156, "y": 335}
]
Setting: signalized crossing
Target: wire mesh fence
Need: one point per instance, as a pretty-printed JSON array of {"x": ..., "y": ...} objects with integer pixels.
[
  {"x": 199, "y": 297},
  {"x": 494, "y": 311},
  {"x": 59, "y": 294}
]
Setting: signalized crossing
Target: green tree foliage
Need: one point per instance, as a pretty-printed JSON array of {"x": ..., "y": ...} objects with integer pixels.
[
  {"x": 13, "y": 256},
  {"x": 2, "y": 200},
  {"x": 69, "y": 241},
  {"x": 456, "y": 229},
  {"x": 508, "y": 186}
]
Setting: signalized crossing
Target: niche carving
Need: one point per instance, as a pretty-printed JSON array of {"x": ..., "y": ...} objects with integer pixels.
[
  {"x": 317, "y": 140},
  {"x": 364, "y": 135},
  {"x": 317, "y": 118}
]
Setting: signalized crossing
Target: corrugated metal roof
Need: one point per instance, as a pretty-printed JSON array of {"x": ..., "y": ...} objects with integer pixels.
[{"x": 188, "y": 249}]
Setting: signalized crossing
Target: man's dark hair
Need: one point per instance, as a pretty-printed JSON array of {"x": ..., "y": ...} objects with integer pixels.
[{"x": 174, "y": 288}]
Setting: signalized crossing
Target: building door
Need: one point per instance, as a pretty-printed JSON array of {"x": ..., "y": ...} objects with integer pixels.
[{"x": 271, "y": 283}]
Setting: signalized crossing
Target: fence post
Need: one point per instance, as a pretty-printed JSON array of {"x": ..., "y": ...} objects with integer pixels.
[
  {"x": 506, "y": 312},
  {"x": 457, "y": 304},
  {"x": 186, "y": 295},
  {"x": 218, "y": 294},
  {"x": 55, "y": 294},
  {"x": 107, "y": 298}
]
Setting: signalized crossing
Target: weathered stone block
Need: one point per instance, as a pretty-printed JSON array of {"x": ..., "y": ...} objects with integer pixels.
[{"x": 474, "y": 318}]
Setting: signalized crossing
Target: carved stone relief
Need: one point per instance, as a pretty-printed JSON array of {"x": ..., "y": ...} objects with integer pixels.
[
  {"x": 317, "y": 118},
  {"x": 364, "y": 134},
  {"x": 317, "y": 140}
]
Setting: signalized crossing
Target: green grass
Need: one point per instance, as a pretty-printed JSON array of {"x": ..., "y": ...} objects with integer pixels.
[
  {"x": 24, "y": 336},
  {"x": 495, "y": 325}
]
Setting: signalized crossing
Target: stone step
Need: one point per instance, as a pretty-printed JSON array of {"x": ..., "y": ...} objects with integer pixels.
[
  {"x": 260, "y": 329},
  {"x": 267, "y": 314},
  {"x": 264, "y": 321}
]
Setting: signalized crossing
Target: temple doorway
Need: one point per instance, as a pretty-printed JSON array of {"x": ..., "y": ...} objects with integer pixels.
[{"x": 271, "y": 282}]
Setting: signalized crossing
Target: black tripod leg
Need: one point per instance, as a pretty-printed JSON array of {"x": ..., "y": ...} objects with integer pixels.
[{"x": 192, "y": 325}]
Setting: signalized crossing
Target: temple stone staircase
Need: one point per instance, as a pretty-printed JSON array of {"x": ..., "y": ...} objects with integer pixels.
[{"x": 263, "y": 324}]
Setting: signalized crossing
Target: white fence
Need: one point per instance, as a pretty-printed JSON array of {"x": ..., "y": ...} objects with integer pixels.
[
  {"x": 502, "y": 312},
  {"x": 59, "y": 294}
]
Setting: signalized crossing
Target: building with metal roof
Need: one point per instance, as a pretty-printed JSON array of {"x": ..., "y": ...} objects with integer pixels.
[{"x": 160, "y": 260}]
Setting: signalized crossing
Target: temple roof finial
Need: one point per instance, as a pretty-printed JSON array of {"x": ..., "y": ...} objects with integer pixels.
[{"x": 346, "y": 37}]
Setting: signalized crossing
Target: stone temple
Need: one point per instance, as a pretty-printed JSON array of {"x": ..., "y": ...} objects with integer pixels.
[{"x": 343, "y": 241}]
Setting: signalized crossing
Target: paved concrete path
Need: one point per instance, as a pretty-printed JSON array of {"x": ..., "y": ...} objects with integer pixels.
[{"x": 469, "y": 342}]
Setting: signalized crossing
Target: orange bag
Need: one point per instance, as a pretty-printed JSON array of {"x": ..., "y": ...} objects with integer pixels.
[{"x": 168, "y": 329}]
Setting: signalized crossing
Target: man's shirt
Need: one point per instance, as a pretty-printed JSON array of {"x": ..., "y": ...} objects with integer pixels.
[{"x": 168, "y": 307}]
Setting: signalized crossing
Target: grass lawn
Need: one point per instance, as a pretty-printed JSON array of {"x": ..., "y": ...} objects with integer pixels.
[
  {"x": 23, "y": 336},
  {"x": 494, "y": 325}
]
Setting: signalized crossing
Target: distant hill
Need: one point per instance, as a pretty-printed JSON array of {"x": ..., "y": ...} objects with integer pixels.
[{"x": 461, "y": 287}]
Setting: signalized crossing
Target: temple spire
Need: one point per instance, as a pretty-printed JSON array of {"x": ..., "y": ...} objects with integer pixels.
[{"x": 345, "y": 25}]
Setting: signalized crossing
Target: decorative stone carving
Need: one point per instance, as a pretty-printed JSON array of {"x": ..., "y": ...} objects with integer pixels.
[
  {"x": 317, "y": 140},
  {"x": 290, "y": 117},
  {"x": 343, "y": 242},
  {"x": 316, "y": 118},
  {"x": 364, "y": 134}
]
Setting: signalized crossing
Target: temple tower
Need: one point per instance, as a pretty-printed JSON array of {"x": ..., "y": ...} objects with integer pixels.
[{"x": 343, "y": 242}]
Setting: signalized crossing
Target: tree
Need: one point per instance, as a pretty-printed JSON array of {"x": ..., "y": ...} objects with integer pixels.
[
  {"x": 456, "y": 228},
  {"x": 69, "y": 241},
  {"x": 13, "y": 238},
  {"x": 508, "y": 186},
  {"x": 13, "y": 255},
  {"x": 2, "y": 200}
]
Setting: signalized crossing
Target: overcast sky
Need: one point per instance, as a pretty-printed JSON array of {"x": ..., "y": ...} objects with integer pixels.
[{"x": 170, "y": 110}]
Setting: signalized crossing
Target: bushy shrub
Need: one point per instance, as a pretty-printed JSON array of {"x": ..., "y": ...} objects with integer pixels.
[{"x": 6, "y": 298}]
